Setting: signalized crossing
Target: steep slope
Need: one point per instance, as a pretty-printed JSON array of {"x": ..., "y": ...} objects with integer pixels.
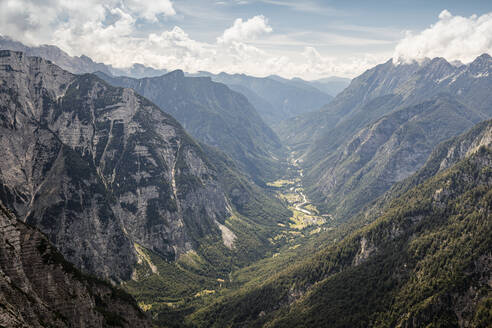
[
  {"x": 378, "y": 81},
  {"x": 38, "y": 288},
  {"x": 108, "y": 176},
  {"x": 215, "y": 115},
  {"x": 445, "y": 155},
  {"x": 385, "y": 152},
  {"x": 280, "y": 100},
  {"x": 323, "y": 140},
  {"x": 389, "y": 87},
  {"x": 425, "y": 261}
]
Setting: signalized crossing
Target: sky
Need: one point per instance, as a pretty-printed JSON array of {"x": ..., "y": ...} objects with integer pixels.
[{"x": 308, "y": 39}]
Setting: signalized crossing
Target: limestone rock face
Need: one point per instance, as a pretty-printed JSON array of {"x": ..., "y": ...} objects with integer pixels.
[
  {"x": 98, "y": 168},
  {"x": 38, "y": 288}
]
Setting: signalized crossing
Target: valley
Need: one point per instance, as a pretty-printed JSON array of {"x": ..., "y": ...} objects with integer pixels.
[
  {"x": 306, "y": 219},
  {"x": 174, "y": 199}
]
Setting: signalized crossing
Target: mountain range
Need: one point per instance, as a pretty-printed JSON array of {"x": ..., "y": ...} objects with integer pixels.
[
  {"x": 77, "y": 64},
  {"x": 170, "y": 199},
  {"x": 274, "y": 98},
  {"x": 105, "y": 174},
  {"x": 383, "y": 127}
]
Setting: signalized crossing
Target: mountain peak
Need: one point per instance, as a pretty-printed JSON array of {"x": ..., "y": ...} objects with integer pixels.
[
  {"x": 439, "y": 60},
  {"x": 485, "y": 56},
  {"x": 178, "y": 74},
  {"x": 438, "y": 65},
  {"x": 482, "y": 59},
  {"x": 84, "y": 57},
  {"x": 481, "y": 65}
]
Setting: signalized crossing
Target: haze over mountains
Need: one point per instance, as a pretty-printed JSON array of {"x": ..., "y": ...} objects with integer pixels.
[
  {"x": 274, "y": 98},
  {"x": 226, "y": 200},
  {"x": 76, "y": 65}
]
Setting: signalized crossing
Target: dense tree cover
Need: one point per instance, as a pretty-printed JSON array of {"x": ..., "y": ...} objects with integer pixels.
[{"x": 425, "y": 261}]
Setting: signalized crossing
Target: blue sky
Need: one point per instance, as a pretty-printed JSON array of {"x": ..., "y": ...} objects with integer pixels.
[
  {"x": 311, "y": 39},
  {"x": 313, "y": 22}
]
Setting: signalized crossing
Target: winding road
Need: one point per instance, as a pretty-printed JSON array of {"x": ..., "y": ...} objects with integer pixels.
[
  {"x": 299, "y": 206},
  {"x": 298, "y": 190}
]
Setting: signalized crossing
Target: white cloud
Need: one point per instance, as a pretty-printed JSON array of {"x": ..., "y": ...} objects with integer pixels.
[
  {"x": 151, "y": 9},
  {"x": 36, "y": 21},
  {"x": 246, "y": 30},
  {"x": 452, "y": 37},
  {"x": 109, "y": 32}
]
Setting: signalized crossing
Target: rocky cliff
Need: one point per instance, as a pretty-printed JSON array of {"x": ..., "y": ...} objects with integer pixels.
[
  {"x": 38, "y": 288},
  {"x": 101, "y": 169}
]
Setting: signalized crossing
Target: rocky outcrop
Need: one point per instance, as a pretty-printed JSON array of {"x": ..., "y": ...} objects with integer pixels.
[
  {"x": 38, "y": 288},
  {"x": 99, "y": 168},
  {"x": 365, "y": 250}
]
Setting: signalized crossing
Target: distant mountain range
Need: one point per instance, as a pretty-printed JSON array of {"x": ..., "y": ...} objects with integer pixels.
[
  {"x": 274, "y": 98},
  {"x": 77, "y": 64},
  {"x": 330, "y": 85}
]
